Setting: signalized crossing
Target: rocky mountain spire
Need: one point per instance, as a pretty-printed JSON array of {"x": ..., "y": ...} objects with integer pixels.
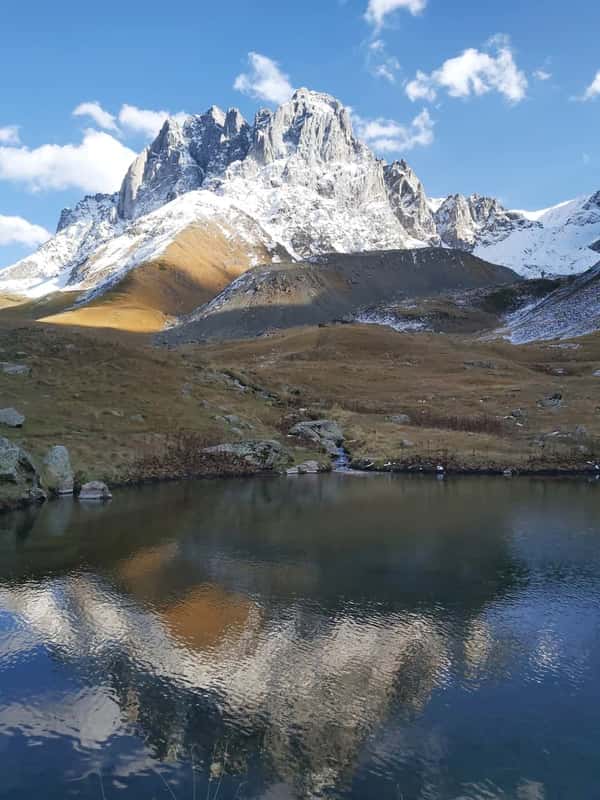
[
  {"x": 408, "y": 200},
  {"x": 313, "y": 125},
  {"x": 181, "y": 157},
  {"x": 465, "y": 222}
]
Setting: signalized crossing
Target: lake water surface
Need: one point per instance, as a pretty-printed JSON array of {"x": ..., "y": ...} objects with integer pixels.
[{"x": 328, "y": 636}]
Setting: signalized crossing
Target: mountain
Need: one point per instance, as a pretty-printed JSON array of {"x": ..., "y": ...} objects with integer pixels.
[
  {"x": 406, "y": 196},
  {"x": 475, "y": 221},
  {"x": 293, "y": 184},
  {"x": 572, "y": 310},
  {"x": 564, "y": 239},
  {"x": 332, "y": 287}
]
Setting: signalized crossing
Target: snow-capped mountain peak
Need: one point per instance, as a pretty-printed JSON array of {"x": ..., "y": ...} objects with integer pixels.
[{"x": 298, "y": 180}]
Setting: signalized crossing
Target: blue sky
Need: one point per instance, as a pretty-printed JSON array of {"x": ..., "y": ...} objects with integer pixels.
[{"x": 499, "y": 98}]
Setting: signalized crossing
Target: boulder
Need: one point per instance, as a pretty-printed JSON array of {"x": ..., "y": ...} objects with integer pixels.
[
  {"x": 552, "y": 401},
  {"x": 266, "y": 455},
  {"x": 480, "y": 365},
  {"x": 11, "y": 418},
  {"x": 56, "y": 473},
  {"x": 19, "y": 480},
  {"x": 518, "y": 413},
  {"x": 325, "y": 433},
  {"x": 399, "y": 419},
  {"x": 235, "y": 421},
  {"x": 95, "y": 490},
  {"x": 8, "y": 368},
  {"x": 307, "y": 468}
]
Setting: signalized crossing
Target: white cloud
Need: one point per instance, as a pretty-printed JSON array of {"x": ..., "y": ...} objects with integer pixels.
[
  {"x": 473, "y": 72},
  {"x": 378, "y": 10},
  {"x": 16, "y": 230},
  {"x": 131, "y": 119},
  {"x": 421, "y": 88},
  {"x": 96, "y": 165},
  {"x": 380, "y": 63},
  {"x": 593, "y": 90},
  {"x": 9, "y": 134},
  {"x": 386, "y": 135},
  {"x": 265, "y": 81},
  {"x": 95, "y": 111},
  {"x": 542, "y": 75},
  {"x": 145, "y": 121}
]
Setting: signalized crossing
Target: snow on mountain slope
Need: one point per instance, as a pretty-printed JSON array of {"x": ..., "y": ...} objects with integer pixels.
[
  {"x": 409, "y": 203},
  {"x": 298, "y": 178},
  {"x": 81, "y": 231},
  {"x": 295, "y": 181},
  {"x": 560, "y": 240},
  {"x": 572, "y": 310}
]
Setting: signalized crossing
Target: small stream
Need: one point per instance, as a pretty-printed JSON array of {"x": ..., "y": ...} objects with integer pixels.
[{"x": 342, "y": 461}]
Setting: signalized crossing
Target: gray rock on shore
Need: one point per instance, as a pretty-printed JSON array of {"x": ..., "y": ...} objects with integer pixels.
[
  {"x": 325, "y": 433},
  {"x": 95, "y": 490},
  {"x": 307, "y": 468},
  {"x": 19, "y": 479},
  {"x": 268, "y": 455},
  {"x": 56, "y": 472}
]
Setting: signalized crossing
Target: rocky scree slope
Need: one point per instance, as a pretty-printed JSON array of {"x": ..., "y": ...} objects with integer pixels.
[
  {"x": 572, "y": 310},
  {"x": 331, "y": 287}
]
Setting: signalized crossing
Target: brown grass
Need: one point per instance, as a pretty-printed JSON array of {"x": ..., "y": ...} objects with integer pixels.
[
  {"x": 456, "y": 422},
  {"x": 128, "y": 411},
  {"x": 121, "y": 405},
  {"x": 360, "y": 375},
  {"x": 199, "y": 263},
  {"x": 181, "y": 454}
]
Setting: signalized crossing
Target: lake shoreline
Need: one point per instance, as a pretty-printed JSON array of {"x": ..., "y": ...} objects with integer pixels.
[{"x": 23, "y": 504}]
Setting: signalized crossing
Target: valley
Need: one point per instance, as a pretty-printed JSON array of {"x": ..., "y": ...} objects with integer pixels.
[
  {"x": 250, "y": 279},
  {"x": 129, "y": 411}
]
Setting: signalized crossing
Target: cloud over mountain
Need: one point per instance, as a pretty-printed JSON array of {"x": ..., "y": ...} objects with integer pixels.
[
  {"x": 473, "y": 73},
  {"x": 96, "y": 164},
  {"x": 264, "y": 81},
  {"x": 16, "y": 230}
]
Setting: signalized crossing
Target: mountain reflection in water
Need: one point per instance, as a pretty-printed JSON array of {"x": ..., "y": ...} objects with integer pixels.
[{"x": 329, "y": 636}]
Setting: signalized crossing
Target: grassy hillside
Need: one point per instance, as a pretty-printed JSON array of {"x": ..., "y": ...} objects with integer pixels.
[
  {"x": 472, "y": 404},
  {"x": 201, "y": 262},
  {"x": 129, "y": 411}
]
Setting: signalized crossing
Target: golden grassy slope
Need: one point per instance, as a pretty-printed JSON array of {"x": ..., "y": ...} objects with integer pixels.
[{"x": 194, "y": 268}]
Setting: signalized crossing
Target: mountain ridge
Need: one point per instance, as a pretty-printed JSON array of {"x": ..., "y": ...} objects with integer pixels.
[
  {"x": 330, "y": 288},
  {"x": 297, "y": 182}
]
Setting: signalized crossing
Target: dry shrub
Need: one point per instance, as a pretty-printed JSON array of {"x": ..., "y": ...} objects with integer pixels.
[
  {"x": 481, "y": 423},
  {"x": 182, "y": 454}
]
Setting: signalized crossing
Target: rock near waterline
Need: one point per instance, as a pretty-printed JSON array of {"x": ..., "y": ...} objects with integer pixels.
[
  {"x": 56, "y": 473},
  {"x": 19, "y": 479},
  {"x": 95, "y": 490}
]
